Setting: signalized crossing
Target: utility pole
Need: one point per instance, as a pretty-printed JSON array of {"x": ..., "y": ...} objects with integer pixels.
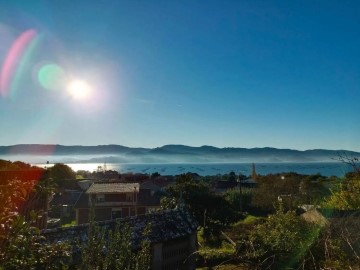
[{"x": 253, "y": 174}]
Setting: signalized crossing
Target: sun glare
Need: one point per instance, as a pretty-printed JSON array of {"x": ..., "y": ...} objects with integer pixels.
[{"x": 79, "y": 89}]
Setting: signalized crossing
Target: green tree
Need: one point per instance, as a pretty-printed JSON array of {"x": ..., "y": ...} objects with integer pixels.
[
  {"x": 26, "y": 248},
  {"x": 292, "y": 188},
  {"x": 17, "y": 165},
  {"x": 236, "y": 199},
  {"x": 60, "y": 173},
  {"x": 213, "y": 212},
  {"x": 346, "y": 196},
  {"x": 232, "y": 177},
  {"x": 21, "y": 244}
]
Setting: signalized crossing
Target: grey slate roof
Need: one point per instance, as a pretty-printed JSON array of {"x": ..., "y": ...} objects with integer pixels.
[
  {"x": 102, "y": 188},
  {"x": 165, "y": 225}
]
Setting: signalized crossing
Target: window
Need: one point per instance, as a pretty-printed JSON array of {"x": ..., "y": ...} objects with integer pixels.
[
  {"x": 129, "y": 197},
  {"x": 116, "y": 213},
  {"x": 100, "y": 198}
]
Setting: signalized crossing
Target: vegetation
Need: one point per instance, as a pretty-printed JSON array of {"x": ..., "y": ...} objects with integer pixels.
[
  {"x": 215, "y": 256},
  {"x": 278, "y": 242},
  {"x": 292, "y": 188},
  {"x": 284, "y": 239},
  {"x": 113, "y": 249},
  {"x": 23, "y": 246},
  {"x": 213, "y": 212},
  {"x": 17, "y": 165},
  {"x": 240, "y": 202},
  {"x": 61, "y": 174},
  {"x": 345, "y": 196},
  {"x": 259, "y": 228}
]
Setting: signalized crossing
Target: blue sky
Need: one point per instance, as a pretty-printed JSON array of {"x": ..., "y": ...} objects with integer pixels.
[{"x": 282, "y": 74}]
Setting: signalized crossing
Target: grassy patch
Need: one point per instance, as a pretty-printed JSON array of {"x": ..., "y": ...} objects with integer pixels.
[
  {"x": 242, "y": 228},
  {"x": 215, "y": 256},
  {"x": 249, "y": 220},
  {"x": 72, "y": 223},
  {"x": 226, "y": 267},
  {"x": 224, "y": 257}
]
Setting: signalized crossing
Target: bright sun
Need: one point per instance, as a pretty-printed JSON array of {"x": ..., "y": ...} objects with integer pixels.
[{"x": 79, "y": 89}]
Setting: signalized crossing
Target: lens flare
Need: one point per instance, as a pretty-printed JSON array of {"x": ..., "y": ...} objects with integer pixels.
[
  {"x": 51, "y": 76},
  {"x": 23, "y": 65},
  {"x": 13, "y": 58}
]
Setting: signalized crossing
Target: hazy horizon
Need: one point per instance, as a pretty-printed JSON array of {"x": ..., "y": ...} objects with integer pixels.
[
  {"x": 175, "y": 144},
  {"x": 166, "y": 154}
]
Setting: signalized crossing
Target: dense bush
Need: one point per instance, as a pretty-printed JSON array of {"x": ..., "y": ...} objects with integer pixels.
[
  {"x": 278, "y": 243},
  {"x": 21, "y": 244}
]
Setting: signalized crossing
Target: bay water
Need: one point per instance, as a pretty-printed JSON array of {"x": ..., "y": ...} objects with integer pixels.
[{"x": 325, "y": 168}]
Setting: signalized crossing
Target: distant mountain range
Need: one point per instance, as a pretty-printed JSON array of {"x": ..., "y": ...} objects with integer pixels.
[{"x": 165, "y": 154}]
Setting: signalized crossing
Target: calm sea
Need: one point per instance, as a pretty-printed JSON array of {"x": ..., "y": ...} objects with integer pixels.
[{"x": 327, "y": 169}]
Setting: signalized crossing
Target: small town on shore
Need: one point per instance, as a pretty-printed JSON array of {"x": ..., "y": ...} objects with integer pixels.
[{"x": 54, "y": 218}]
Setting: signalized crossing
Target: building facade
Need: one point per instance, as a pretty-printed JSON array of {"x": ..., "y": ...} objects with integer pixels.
[{"x": 115, "y": 200}]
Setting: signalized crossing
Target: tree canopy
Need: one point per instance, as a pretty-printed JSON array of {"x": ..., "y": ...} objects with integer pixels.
[
  {"x": 60, "y": 173},
  {"x": 212, "y": 211}
]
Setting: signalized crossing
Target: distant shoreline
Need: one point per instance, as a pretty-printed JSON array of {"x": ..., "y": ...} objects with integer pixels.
[
  {"x": 172, "y": 154},
  {"x": 325, "y": 168}
]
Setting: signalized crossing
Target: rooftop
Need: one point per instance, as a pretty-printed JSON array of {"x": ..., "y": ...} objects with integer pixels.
[
  {"x": 113, "y": 188},
  {"x": 165, "y": 225}
]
